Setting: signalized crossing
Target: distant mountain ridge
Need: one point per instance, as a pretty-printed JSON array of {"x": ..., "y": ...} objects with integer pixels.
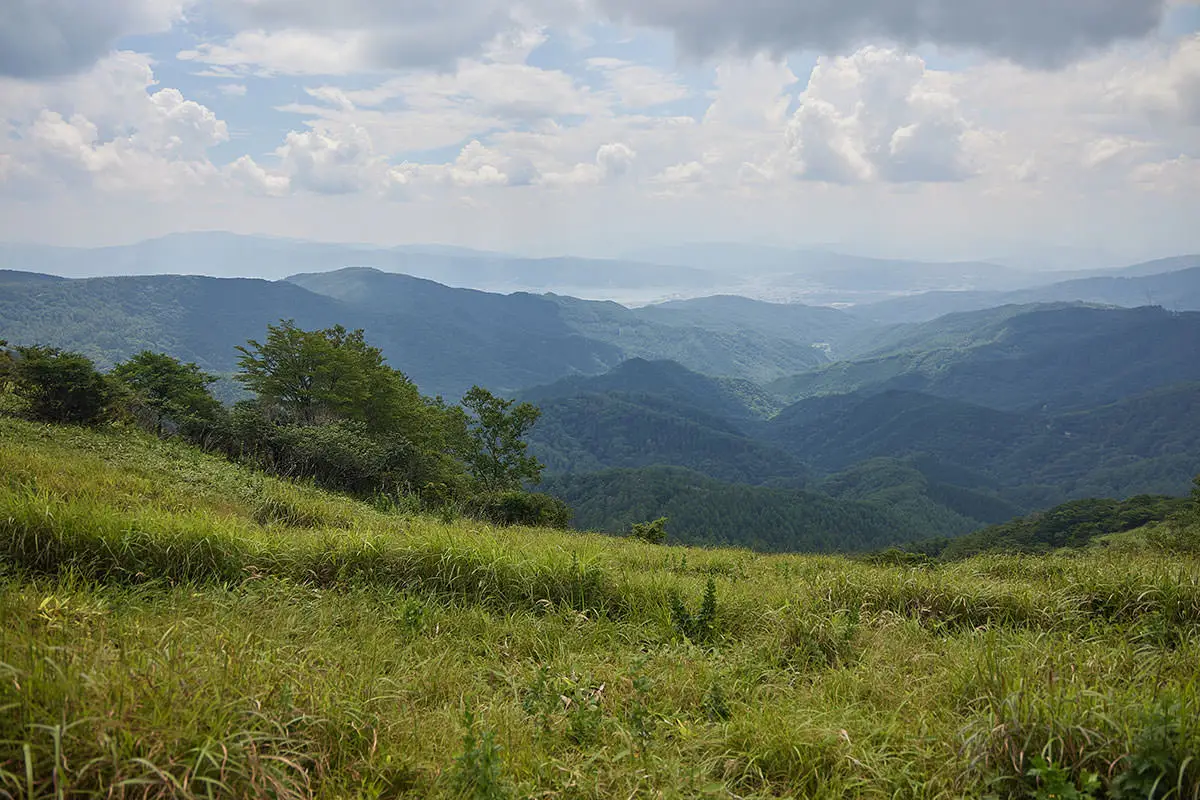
[{"x": 1172, "y": 283}]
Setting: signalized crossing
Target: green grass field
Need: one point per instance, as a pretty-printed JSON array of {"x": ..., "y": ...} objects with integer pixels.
[{"x": 177, "y": 626}]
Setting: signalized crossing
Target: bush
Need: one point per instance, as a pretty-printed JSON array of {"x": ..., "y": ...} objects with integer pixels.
[
  {"x": 533, "y": 509},
  {"x": 59, "y": 386},
  {"x": 653, "y": 532}
]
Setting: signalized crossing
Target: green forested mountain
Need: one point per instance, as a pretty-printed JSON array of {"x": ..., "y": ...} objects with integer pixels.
[
  {"x": 793, "y": 322},
  {"x": 731, "y": 353},
  {"x": 587, "y": 432},
  {"x": 959, "y": 422},
  {"x": 726, "y": 398},
  {"x": 1072, "y": 524},
  {"x": 440, "y": 342},
  {"x": 918, "y": 489},
  {"x": 1147, "y": 443},
  {"x": 714, "y": 351},
  {"x": 705, "y": 511},
  {"x": 223, "y": 254},
  {"x": 447, "y": 339},
  {"x": 1054, "y": 357}
]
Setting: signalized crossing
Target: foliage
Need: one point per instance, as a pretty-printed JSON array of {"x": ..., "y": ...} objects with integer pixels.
[
  {"x": 172, "y": 395},
  {"x": 58, "y": 386},
  {"x": 1158, "y": 759},
  {"x": 494, "y": 449},
  {"x": 478, "y": 771},
  {"x": 653, "y": 532},
  {"x": 1073, "y": 524},
  {"x": 530, "y": 509},
  {"x": 313, "y": 377},
  {"x": 1056, "y": 783}
]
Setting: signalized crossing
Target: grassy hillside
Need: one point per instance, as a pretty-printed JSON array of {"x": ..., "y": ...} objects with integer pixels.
[{"x": 177, "y": 626}]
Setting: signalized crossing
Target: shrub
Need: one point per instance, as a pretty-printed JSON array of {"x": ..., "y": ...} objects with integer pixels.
[
  {"x": 59, "y": 386},
  {"x": 653, "y": 532},
  {"x": 532, "y": 509}
]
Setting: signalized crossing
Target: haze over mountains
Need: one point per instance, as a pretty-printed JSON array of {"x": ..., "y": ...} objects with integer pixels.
[
  {"x": 776, "y": 425},
  {"x": 651, "y": 275}
]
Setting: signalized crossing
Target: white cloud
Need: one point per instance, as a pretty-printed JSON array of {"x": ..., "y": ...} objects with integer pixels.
[
  {"x": 691, "y": 172},
  {"x": 612, "y": 160},
  {"x": 232, "y": 89},
  {"x": 615, "y": 158},
  {"x": 109, "y": 128},
  {"x": 248, "y": 175},
  {"x": 331, "y": 163},
  {"x": 315, "y": 37},
  {"x": 1165, "y": 87},
  {"x": 638, "y": 86},
  {"x": 288, "y": 52},
  {"x": 878, "y": 115}
]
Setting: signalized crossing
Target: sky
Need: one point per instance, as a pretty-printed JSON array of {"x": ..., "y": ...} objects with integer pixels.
[{"x": 916, "y": 128}]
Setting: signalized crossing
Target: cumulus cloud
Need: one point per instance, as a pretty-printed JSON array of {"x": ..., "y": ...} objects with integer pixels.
[
  {"x": 247, "y": 174},
  {"x": 615, "y": 158},
  {"x": 612, "y": 160},
  {"x": 109, "y": 127},
  {"x": 1036, "y": 32},
  {"x": 49, "y": 38},
  {"x": 878, "y": 115},
  {"x": 329, "y": 163}
]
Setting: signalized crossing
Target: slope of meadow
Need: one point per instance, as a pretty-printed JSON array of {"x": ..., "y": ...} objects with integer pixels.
[{"x": 175, "y": 626}]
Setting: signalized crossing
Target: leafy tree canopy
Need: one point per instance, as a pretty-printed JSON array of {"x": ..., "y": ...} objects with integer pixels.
[
  {"x": 314, "y": 377},
  {"x": 493, "y": 448},
  {"x": 171, "y": 390},
  {"x": 59, "y": 386}
]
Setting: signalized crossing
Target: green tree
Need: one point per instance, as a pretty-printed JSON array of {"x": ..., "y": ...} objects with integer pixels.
[
  {"x": 315, "y": 377},
  {"x": 329, "y": 388},
  {"x": 167, "y": 391},
  {"x": 59, "y": 386},
  {"x": 493, "y": 448}
]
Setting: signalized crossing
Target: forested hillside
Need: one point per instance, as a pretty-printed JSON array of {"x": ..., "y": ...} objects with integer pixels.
[
  {"x": 1023, "y": 358},
  {"x": 702, "y": 511}
]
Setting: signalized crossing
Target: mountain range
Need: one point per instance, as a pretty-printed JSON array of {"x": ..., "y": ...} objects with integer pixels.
[{"x": 778, "y": 426}]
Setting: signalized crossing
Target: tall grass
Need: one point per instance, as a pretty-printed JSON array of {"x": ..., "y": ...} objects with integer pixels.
[{"x": 175, "y": 626}]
